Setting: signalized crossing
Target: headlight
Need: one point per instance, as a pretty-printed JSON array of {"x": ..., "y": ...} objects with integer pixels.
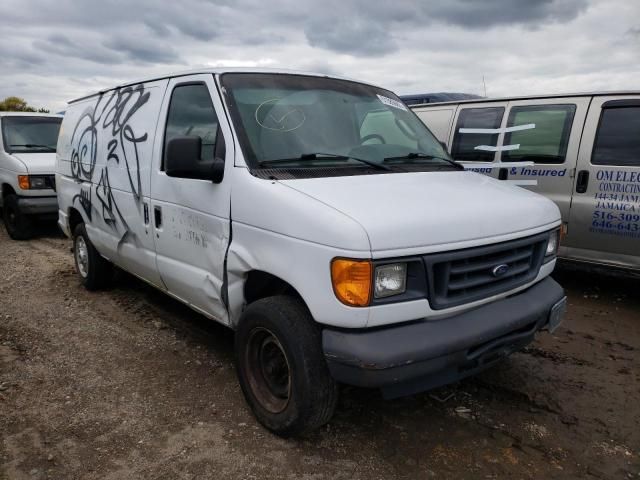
[
  {"x": 33, "y": 182},
  {"x": 553, "y": 243},
  {"x": 37, "y": 183},
  {"x": 390, "y": 279}
]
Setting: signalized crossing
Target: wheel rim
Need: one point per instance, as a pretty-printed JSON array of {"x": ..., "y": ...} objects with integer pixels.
[
  {"x": 268, "y": 370},
  {"x": 82, "y": 256}
]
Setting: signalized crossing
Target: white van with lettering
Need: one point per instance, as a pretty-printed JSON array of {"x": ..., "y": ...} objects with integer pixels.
[
  {"x": 582, "y": 151},
  {"x": 27, "y": 166},
  {"x": 319, "y": 219}
]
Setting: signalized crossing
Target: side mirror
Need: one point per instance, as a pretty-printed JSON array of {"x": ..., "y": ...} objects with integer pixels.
[
  {"x": 444, "y": 145},
  {"x": 182, "y": 160}
]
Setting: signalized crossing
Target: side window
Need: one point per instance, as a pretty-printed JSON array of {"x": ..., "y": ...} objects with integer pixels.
[
  {"x": 547, "y": 139},
  {"x": 618, "y": 137},
  {"x": 191, "y": 113},
  {"x": 464, "y": 144}
]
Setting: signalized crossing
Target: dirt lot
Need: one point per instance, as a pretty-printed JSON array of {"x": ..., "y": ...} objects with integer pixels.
[{"x": 128, "y": 383}]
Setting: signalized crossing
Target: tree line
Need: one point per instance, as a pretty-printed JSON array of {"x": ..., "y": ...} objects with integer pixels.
[{"x": 17, "y": 104}]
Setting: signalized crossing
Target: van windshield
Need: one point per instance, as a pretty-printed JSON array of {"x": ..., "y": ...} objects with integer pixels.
[
  {"x": 27, "y": 134},
  {"x": 286, "y": 121}
]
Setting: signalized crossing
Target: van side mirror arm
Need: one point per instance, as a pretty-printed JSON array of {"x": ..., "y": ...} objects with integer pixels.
[{"x": 219, "y": 154}]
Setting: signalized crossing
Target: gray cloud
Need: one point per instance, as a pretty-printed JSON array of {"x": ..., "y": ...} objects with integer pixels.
[
  {"x": 18, "y": 57},
  {"x": 491, "y": 13},
  {"x": 354, "y": 36},
  {"x": 54, "y": 51},
  {"x": 141, "y": 49},
  {"x": 370, "y": 28},
  {"x": 81, "y": 49}
]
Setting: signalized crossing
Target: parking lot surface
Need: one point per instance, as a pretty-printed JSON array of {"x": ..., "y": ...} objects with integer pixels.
[{"x": 127, "y": 383}]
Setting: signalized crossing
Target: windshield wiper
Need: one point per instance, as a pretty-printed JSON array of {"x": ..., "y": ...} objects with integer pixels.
[
  {"x": 34, "y": 145},
  {"x": 320, "y": 155},
  {"x": 423, "y": 156}
]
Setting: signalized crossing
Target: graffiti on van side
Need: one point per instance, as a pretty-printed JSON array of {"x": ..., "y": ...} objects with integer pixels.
[
  {"x": 128, "y": 101},
  {"x": 84, "y": 199},
  {"x": 109, "y": 119},
  {"x": 110, "y": 211}
]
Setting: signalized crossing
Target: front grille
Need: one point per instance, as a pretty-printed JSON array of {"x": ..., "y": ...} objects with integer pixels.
[{"x": 463, "y": 276}]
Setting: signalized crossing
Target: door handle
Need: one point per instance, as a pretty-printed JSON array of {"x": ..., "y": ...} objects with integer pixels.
[
  {"x": 157, "y": 216},
  {"x": 582, "y": 182},
  {"x": 146, "y": 213},
  {"x": 503, "y": 173}
]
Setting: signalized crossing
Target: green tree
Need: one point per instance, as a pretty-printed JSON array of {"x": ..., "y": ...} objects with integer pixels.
[{"x": 17, "y": 104}]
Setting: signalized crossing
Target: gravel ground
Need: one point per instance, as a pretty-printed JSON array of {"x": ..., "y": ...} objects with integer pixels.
[{"x": 127, "y": 383}]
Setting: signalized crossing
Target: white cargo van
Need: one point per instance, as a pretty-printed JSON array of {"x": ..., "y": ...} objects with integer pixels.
[
  {"x": 319, "y": 219},
  {"x": 27, "y": 165},
  {"x": 582, "y": 151}
]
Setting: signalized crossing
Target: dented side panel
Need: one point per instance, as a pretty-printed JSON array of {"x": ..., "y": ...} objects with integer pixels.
[
  {"x": 281, "y": 231},
  {"x": 302, "y": 264}
]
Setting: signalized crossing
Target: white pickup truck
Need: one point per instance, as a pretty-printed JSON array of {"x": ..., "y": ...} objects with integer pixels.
[
  {"x": 319, "y": 219},
  {"x": 27, "y": 165}
]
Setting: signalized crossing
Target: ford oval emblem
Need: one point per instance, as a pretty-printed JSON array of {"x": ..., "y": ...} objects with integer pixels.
[{"x": 500, "y": 270}]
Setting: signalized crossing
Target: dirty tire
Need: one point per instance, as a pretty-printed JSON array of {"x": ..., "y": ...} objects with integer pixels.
[
  {"x": 95, "y": 271},
  {"x": 19, "y": 226},
  {"x": 279, "y": 332}
]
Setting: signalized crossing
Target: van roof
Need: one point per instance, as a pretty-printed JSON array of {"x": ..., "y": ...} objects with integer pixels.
[
  {"x": 29, "y": 114},
  {"x": 218, "y": 71},
  {"x": 532, "y": 97}
]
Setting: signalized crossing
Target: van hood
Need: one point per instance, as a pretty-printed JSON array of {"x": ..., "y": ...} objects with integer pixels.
[
  {"x": 408, "y": 210},
  {"x": 38, "y": 163}
]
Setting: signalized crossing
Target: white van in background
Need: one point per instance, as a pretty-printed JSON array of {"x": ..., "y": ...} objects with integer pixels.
[
  {"x": 319, "y": 219},
  {"x": 582, "y": 151},
  {"x": 27, "y": 166}
]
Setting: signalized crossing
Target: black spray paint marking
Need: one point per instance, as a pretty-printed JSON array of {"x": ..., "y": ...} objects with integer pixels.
[
  {"x": 109, "y": 118},
  {"x": 127, "y": 102},
  {"x": 84, "y": 198}
]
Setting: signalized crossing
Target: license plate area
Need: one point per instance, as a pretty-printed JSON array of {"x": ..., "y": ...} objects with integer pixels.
[{"x": 556, "y": 315}]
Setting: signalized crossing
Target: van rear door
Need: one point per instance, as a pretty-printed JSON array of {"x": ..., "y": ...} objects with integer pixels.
[{"x": 604, "y": 222}]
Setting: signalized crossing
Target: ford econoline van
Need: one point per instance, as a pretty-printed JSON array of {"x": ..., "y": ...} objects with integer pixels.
[
  {"x": 582, "y": 151},
  {"x": 27, "y": 166},
  {"x": 319, "y": 219}
]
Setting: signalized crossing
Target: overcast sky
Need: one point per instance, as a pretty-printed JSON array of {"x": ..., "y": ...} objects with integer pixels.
[{"x": 52, "y": 51}]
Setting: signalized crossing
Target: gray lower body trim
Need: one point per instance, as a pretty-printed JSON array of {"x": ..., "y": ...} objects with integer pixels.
[
  {"x": 38, "y": 205},
  {"x": 425, "y": 354}
]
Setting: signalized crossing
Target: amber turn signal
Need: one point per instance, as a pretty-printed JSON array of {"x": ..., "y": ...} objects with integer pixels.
[
  {"x": 351, "y": 281},
  {"x": 23, "y": 182}
]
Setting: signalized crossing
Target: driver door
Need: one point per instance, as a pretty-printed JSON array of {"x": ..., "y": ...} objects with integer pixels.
[{"x": 191, "y": 217}]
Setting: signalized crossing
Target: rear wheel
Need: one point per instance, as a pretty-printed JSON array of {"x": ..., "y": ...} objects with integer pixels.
[
  {"x": 281, "y": 366},
  {"x": 19, "y": 226},
  {"x": 95, "y": 271}
]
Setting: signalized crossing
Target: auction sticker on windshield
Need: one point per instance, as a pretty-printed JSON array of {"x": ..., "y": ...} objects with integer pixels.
[{"x": 392, "y": 103}]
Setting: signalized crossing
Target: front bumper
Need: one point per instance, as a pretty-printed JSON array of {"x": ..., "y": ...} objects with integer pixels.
[
  {"x": 425, "y": 354},
  {"x": 38, "y": 205}
]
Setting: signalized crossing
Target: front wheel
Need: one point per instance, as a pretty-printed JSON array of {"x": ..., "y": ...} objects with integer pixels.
[
  {"x": 19, "y": 226},
  {"x": 281, "y": 366},
  {"x": 95, "y": 271}
]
